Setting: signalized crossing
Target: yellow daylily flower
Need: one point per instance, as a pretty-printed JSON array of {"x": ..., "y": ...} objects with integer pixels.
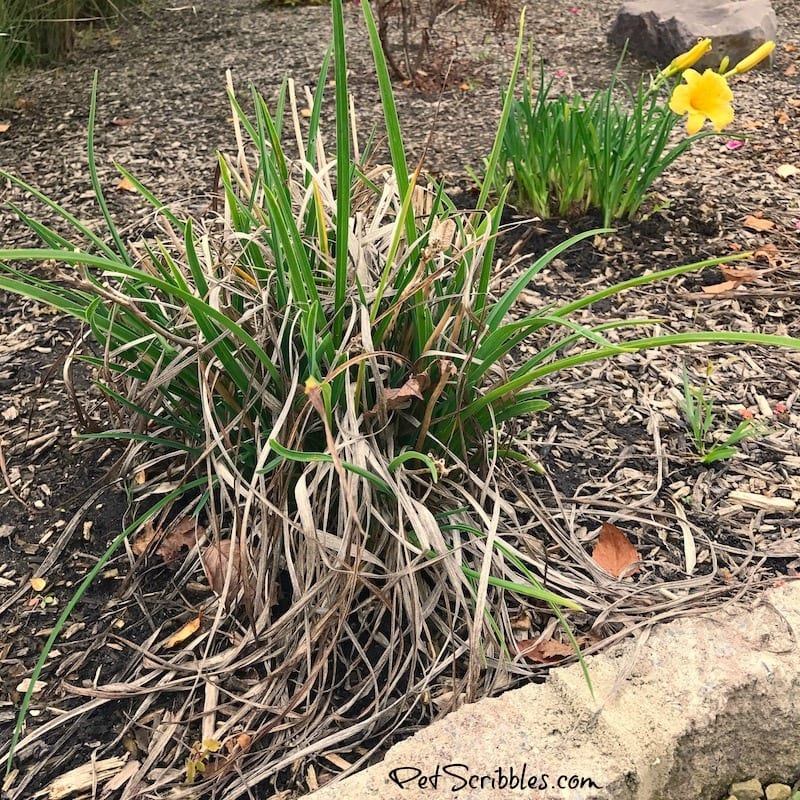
[
  {"x": 702, "y": 97},
  {"x": 687, "y": 59},
  {"x": 756, "y": 57}
]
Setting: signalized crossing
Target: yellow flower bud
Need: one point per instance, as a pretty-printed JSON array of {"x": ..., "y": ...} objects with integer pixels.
[
  {"x": 687, "y": 59},
  {"x": 723, "y": 65},
  {"x": 756, "y": 57}
]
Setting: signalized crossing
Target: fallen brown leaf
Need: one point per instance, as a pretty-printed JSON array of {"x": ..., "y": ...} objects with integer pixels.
[
  {"x": 241, "y": 742},
  {"x": 721, "y": 288},
  {"x": 740, "y": 274},
  {"x": 4, "y": 126},
  {"x": 786, "y": 171},
  {"x": 215, "y": 559},
  {"x": 244, "y": 740},
  {"x": 142, "y": 542},
  {"x": 184, "y": 534},
  {"x": 123, "y": 122},
  {"x": 37, "y": 584},
  {"x": 541, "y": 653},
  {"x": 755, "y": 223},
  {"x": 614, "y": 552},
  {"x": 413, "y": 387},
  {"x": 126, "y": 185},
  {"x": 735, "y": 277},
  {"x": 769, "y": 253}
]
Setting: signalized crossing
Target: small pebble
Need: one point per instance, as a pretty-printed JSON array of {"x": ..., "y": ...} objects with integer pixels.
[
  {"x": 778, "y": 791},
  {"x": 748, "y": 790}
]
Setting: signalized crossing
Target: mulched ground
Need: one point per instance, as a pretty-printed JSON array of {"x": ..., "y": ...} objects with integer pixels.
[{"x": 615, "y": 444}]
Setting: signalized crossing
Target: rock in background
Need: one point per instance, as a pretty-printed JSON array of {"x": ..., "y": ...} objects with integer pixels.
[{"x": 661, "y": 29}]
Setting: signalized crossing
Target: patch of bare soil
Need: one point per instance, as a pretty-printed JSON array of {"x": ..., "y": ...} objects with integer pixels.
[{"x": 615, "y": 445}]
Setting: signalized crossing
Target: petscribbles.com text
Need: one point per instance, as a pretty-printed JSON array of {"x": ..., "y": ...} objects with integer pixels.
[{"x": 460, "y": 777}]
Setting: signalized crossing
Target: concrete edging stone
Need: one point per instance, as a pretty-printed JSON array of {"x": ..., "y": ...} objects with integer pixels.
[{"x": 682, "y": 713}]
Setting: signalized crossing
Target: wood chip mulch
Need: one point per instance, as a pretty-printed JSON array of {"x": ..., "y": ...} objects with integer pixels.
[{"x": 615, "y": 444}]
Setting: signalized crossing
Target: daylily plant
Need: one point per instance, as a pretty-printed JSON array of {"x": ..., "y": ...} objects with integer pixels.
[{"x": 564, "y": 155}]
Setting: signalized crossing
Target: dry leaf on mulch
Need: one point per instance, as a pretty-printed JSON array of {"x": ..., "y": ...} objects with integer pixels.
[{"x": 614, "y": 552}]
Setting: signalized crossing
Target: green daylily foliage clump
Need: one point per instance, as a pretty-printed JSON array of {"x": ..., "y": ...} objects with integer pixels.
[{"x": 565, "y": 155}]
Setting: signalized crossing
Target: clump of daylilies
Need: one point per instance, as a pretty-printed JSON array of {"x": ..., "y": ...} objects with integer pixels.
[
  {"x": 564, "y": 155},
  {"x": 708, "y": 96}
]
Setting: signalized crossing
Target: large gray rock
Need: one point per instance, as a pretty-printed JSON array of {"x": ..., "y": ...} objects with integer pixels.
[{"x": 661, "y": 29}]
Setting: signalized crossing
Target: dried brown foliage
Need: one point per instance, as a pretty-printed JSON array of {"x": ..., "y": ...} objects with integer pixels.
[{"x": 416, "y": 49}]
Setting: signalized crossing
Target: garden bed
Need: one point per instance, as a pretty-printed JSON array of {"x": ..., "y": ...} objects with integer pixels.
[{"x": 614, "y": 445}]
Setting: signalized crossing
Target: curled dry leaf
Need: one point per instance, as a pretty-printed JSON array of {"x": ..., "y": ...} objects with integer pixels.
[
  {"x": 614, "y": 552},
  {"x": 735, "y": 277},
  {"x": 412, "y": 388},
  {"x": 126, "y": 185},
  {"x": 443, "y": 234},
  {"x": 142, "y": 542},
  {"x": 123, "y": 122},
  {"x": 183, "y": 534},
  {"x": 740, "y": 274},
  {"x": 544, "y": 652},
  {"x": 770, "y": 254},
  {"x": 240, "y": 743},
  {"x": 215, "y": 560}
]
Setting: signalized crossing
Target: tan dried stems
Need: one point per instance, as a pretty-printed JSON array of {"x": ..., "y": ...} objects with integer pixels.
[{"x": 416, "y": 49}]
